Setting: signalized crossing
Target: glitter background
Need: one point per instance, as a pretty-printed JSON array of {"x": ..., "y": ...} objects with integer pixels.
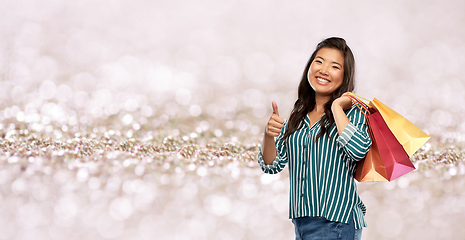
[{"x": 142, "y": 119}]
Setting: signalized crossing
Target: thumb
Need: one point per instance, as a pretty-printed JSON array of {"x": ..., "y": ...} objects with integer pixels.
[{"x": 275, "y": 108}]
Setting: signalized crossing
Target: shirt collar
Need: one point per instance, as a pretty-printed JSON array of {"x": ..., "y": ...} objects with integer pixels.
[{"x": 308, "y": 124}]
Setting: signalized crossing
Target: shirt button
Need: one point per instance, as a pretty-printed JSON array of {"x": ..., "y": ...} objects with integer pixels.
[{"x": 302, "y": 195}]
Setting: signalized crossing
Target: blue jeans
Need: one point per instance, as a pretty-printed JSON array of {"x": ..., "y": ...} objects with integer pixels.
[{"x": 318, "y": 228}]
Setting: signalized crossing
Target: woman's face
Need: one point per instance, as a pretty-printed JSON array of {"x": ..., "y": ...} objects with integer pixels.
[{"x": 326, "y": 72}]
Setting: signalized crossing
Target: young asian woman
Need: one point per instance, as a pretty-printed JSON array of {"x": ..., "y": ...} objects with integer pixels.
[{"x": 322, "y": 141}]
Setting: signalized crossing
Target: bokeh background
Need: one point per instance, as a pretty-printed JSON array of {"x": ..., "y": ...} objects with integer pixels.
[{"x": 142, "y": 119}]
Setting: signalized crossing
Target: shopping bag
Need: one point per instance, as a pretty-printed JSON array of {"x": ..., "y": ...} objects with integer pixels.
[
  {"x": 385, "y": 147},
  {"x": 371, "y": 168},
  {"x": 409, "y": 136},
  {"x": 395, "y": 158}
]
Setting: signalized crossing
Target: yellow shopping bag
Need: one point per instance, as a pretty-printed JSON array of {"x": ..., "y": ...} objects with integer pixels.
[{"x": 409, "y": 136}]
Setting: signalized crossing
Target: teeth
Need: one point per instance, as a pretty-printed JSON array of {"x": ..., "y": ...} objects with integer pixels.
[{"x": 322, "y": 80}]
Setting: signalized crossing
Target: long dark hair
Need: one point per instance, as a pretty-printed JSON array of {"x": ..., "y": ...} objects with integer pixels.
[{"x": 306, "y": 95}]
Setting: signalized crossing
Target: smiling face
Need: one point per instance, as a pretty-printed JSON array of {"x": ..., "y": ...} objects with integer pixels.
[{"x": 326, "y": 72}]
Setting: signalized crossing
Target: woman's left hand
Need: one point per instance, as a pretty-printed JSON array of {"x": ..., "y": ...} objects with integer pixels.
[
  {"x": 338, "y": 107},
  {"x": 343, "y": 102}
]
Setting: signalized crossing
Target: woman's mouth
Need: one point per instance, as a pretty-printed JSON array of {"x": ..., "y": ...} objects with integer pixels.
[{"x": 322, "y": 80}]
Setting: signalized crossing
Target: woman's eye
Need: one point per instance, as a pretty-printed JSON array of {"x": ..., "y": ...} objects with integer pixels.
[
  {"x": 318, "y": 61},
  {"x": 336, "y": 67}
]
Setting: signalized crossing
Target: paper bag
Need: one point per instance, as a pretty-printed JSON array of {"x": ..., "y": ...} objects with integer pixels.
[
  {"x": 395, "y": 158},
  {"x": 409, "y": 136}
]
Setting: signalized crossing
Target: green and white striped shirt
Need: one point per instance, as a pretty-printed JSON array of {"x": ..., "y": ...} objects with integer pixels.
[{"x": 321, "y": 173}]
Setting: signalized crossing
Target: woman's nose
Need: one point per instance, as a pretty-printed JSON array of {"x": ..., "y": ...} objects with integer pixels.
[{"x": 324, "y": 70}]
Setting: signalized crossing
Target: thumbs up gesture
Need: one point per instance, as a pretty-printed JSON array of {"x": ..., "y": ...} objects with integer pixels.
[{"x": 275, "y": 124}]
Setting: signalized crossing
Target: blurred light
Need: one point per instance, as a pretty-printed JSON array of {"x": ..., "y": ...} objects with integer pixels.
[
  {"x": 195, "y": 110},
  {"x": 131, "y": 105},
  {"x": 82, "y": 175},
  {"x": 88, "y": 97},
  {"x": 218, "y": 133},
  {"x": 260, "y": 110},
  {"x": 259, "y": 67},
  {"x": 19, "y": 186},
  {"x": 127, "y": 119},
  {"x": 183, "y": 96},
  {"x": 108, "y": 227},
  {"x": 18, "y": 94},
  {"x": 159, "y": 78},
  {"x": 147, "y": 111},
  {"x": 47, "y": 90},
  {"x": 224, "y": 71},
  {"x": 269, "y": 178},
  {"x": 218, "y": 205},
  {"x": 212, "y": 109},
  {"x": 171, "y": 108},
  {"x": 94, "y": 183},
  {"x": 120, "y": 209},
  {"x": 390, "y": 224},
  {"x": 443, "y": 118}
]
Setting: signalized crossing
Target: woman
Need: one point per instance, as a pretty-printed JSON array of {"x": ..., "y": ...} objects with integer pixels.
[{"x": 324, "y": 138}]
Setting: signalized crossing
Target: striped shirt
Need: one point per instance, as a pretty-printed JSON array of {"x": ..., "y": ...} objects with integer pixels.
[{"x": 321, "y": 173}]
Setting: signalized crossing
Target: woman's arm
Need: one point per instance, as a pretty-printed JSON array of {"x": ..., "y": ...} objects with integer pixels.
[
  {"x": 273, "y": 129},
  {"x": 353, "y": 134},
  {"x": 339, "y": 105}
]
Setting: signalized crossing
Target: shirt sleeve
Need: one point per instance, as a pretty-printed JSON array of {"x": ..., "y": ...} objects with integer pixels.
[
  {"x": 281, "y": 155},
  {"x": 354, "y": 139}
]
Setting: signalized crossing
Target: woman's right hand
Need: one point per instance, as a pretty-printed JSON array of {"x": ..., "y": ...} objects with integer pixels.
[{"x": 275, "y": 124}]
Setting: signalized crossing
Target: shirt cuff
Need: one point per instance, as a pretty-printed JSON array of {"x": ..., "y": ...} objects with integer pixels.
[
  {"x": 346, "y": 134},
  {"x": 267, "y": 168}
]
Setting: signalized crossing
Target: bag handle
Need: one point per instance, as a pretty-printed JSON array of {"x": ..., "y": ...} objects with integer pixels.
[
  {"x": 359, "y": 103},
  {"x": 358, "y": 97}
]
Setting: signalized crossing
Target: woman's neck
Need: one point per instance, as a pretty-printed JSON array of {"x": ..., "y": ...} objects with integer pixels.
[{"x": 320, "y": 102}]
